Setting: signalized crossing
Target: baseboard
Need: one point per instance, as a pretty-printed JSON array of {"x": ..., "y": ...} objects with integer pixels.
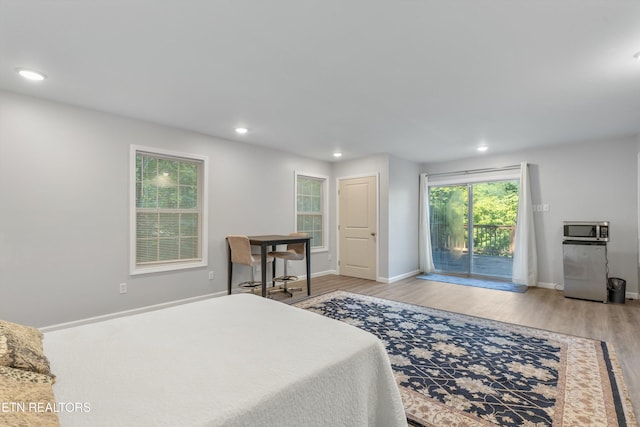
[
  {"x": 323, "y": 273},
  {"x": 318, "y": 274},
  {"x": 130, "y": 312},
  {"x": 554, "y": 286},
  {"x": 398, "y": 277}
]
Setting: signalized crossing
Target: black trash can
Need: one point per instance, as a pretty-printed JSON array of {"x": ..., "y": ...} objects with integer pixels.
[{"x": 617, "y": 289}]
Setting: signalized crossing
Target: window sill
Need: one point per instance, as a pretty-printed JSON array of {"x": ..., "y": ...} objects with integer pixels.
[{"x": 136, "y": 271}]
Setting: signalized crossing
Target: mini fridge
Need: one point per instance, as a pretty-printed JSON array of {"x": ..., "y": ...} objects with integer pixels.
[{"x": 585, "y": 270}]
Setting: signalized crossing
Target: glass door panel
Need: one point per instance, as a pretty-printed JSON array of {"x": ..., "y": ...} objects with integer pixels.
[
  {"x": 494, "y": 207},
  {"x": 449, "y": 208}
]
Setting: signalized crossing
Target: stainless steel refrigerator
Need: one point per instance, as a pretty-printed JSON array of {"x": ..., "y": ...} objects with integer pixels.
[{"x": 585, "y": 270}]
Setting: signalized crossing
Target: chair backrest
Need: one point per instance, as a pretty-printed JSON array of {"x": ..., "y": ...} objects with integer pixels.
[
  {"x": 240, "y": 249},
  {"x": 297, "y": 247}
]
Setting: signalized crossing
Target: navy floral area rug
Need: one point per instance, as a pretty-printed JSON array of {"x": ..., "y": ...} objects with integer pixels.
[{"x": 458, "y": 370}]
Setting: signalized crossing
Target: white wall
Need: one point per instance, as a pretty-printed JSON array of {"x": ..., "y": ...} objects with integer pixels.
[
  {"x": 398, "y": 182},
  {"x": 377, "y": 165},
  {"x": 404, "y": 210},
  {"x": 64, "y": 182},
  {"x": 595, "y": 180}
]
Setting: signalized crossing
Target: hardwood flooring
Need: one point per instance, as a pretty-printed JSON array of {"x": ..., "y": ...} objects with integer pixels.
[{"x": 617, "y": 324}]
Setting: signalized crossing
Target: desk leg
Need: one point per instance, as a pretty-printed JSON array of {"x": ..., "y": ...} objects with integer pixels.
[
  {"x": 229, "y": 269},
  {"x": 273, "y": 267},
  {"x": 308, "y": 250},
  {"x": 263, "y": 266}
]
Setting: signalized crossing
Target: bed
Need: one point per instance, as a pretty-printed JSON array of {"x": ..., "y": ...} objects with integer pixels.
[{"x": 238, "y": 360}]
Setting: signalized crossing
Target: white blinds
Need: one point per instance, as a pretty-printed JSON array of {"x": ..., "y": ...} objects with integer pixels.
[{"x": 168, "y": 219}]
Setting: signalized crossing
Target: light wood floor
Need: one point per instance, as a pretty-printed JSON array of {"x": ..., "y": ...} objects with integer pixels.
[{"x": 617, "y": 324}]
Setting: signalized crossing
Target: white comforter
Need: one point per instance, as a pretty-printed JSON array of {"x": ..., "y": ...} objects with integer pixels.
[{"x": 238, "y": 360}]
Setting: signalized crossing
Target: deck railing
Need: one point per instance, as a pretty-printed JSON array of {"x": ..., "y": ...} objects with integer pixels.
[{"x": 488, "y": 239}]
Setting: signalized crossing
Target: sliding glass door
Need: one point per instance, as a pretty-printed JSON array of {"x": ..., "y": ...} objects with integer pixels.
[
  {"x": 449, "y": 209},
  {"x": 473, "y": 228}
]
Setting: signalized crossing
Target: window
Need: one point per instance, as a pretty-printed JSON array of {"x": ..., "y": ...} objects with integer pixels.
[
  {"x": 168, "y": 219},
  {"x": 311, "y": 202}
]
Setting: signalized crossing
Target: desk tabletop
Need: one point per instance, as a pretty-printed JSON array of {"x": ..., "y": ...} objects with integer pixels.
[{"x": 272, "y": 238}]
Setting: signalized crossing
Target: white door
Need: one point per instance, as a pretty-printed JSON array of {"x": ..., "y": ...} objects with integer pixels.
[{"x": 358, "y": 202}]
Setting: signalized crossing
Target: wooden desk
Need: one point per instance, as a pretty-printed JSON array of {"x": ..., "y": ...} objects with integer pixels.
[{"x": 273, "y": 240}]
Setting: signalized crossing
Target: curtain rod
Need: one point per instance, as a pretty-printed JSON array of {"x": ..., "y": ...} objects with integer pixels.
[{"x": 466, "y": 172}]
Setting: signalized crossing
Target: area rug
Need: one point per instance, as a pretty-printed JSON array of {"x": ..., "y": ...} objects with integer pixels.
[
  {"x": 479, "y": 283},
  {"x": 458, "y": 370}
]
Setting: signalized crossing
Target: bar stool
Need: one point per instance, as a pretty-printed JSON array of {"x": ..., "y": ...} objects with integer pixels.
[
  {"x": 241, "y": 254},
  {"x": 294, "y": 252}
]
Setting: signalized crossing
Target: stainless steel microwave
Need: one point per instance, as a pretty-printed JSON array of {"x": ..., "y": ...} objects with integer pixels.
[{"x": 590, "y": 231}]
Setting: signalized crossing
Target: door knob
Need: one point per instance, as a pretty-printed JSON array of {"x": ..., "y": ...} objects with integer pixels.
[{"x": 373, "y": 234}]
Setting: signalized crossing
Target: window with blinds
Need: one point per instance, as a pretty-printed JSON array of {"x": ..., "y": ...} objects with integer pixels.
[
  {"x": 310, "y": 208},
  {"x": 169, "y": 217}
]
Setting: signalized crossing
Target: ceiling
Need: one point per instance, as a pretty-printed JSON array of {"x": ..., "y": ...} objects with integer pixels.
[{"x": 419, "y": 79}]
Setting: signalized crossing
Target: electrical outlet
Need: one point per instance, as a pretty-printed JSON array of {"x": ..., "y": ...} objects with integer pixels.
[
  {"x": 212, "y": 275},
  {"x": 123, "y": 288}
]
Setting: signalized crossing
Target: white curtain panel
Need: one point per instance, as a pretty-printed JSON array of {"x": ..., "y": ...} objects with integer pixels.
[
  {"x": 525, "y": 256},
  {"x": 425, "y": 253}
]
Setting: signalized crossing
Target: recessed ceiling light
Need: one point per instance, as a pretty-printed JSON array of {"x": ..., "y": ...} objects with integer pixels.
[
  {"x": 35, "y": 76},
  {"x": 637, "y": 55},
  {"x": 242, "y": 131},
  {"x": 337, "y": 154},
  {"x": 483, "y": 148}
]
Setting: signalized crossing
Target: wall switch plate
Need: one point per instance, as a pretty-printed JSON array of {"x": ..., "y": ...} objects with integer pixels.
[
  {"x": 123, "y": 288},
  {"x": 545, "y": 207},
  {"x": 212, "y": 275}
]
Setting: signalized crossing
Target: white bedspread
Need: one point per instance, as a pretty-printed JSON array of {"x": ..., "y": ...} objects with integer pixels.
[{"x": 238, "y": 360}]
